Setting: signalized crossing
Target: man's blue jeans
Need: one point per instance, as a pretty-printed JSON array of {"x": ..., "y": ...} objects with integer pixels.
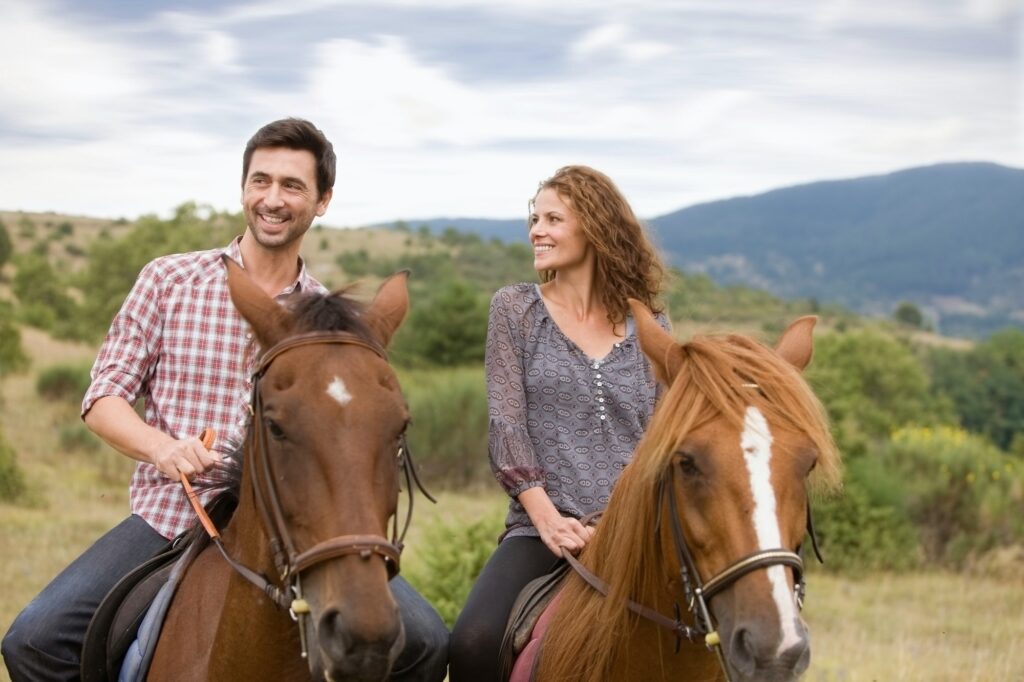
[{"x": 45, "y": 641}]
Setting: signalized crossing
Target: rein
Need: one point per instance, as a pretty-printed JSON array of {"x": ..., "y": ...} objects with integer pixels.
[
  {"x": 287, "y": 559},
  {"x": 698, "y": 594}
]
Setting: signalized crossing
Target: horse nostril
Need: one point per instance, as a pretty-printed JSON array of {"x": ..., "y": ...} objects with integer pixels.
[
  {"x": 742, "y": 653},
  {"x": 334, "y": 637}
]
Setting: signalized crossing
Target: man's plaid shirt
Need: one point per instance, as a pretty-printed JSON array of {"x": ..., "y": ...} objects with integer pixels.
[{"x": 179, "y": 344}]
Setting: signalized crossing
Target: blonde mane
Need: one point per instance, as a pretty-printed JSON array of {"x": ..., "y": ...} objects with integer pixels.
[{"x": 714, "y": 382}]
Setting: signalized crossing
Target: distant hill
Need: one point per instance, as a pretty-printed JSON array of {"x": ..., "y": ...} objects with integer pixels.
[{"x": 949, "y": 238}]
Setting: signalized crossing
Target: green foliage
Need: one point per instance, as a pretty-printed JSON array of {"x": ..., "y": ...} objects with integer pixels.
[
  {"x": 858, "y": 536},
  {"x": 986, "y": 385},
  {"x": 76, "y": 436},
  {"x": 12, "y": 480},
  {"x": 41, "y": 294},
  {"x": 64, "y": 382},
  {"x": 963, "y": 494},
  {"x": 354, "y": 263},
  {"x": 6, "y": 247},
  {"x": 909, "y": 315},
  {"x": 447, "y": 329},
  {"x": 12, "y": 356},
  {"x": 448, "y": 435},
  {"x": 454, "y": 556},
  {"x": 872, "y": 384},
  {"x": 114, "y": 264}
]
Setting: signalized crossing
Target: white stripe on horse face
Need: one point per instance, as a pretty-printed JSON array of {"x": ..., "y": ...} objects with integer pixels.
[
  {"x": 756, "y": 441},
  {"x": 337, "y": 390}
]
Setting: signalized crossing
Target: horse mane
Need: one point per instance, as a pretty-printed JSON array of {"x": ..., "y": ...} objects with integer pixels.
[
  {"x": 713, "y": 382},
  {"x": 311, "y": 311}
]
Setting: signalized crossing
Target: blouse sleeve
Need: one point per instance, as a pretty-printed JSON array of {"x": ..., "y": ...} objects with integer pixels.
[{"x": 513, "y": 458}]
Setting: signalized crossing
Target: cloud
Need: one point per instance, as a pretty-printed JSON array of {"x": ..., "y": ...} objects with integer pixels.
[{"x": 59, "y": 79}]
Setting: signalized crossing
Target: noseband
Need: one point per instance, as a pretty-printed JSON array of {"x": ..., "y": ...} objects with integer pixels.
[
  {"x": 699, "y": 593},
  {"x": 289, "y": 561}
]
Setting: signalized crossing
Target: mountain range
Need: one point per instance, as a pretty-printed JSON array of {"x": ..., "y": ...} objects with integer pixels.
[{"x": 948, "y": 238}]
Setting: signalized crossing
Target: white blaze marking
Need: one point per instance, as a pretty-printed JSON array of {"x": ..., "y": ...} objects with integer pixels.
[
  {"x": 756, "y": 441},
  {"x": 337, "y": 390}
]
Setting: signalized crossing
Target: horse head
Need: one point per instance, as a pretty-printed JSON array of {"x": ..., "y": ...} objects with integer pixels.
[
  {"x": 322, "y": 464},
  {"x": 733, "y": 446}
]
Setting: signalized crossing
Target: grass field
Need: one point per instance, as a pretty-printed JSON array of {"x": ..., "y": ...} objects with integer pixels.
[{"x": 933, "y": 626}]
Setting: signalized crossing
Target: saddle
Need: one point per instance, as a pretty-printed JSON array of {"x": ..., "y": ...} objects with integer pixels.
[
  {"x": 533, "y": 599},
  {"x": 115, "y": 624}
]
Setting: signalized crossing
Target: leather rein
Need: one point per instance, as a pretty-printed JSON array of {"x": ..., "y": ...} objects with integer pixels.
[
  {"x": 288, "y": 560},
  {"x": 699, "y": 593}
]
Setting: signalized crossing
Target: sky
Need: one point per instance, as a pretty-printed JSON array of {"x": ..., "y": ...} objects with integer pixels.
[{"x": 459, "y": 108}]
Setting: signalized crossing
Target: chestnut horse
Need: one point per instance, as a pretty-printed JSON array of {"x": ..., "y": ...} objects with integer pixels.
[
  {"x": 703, "y": 531},
  {"x": 319, "y": 484}
]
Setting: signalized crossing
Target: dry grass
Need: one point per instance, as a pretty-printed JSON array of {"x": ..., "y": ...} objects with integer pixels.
[{"x": 934, "y": 626}]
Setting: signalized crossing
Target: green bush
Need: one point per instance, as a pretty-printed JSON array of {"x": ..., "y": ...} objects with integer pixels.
[
  {"x": 448, "y": 435},
  {"x": 63, "y": 382},
  {"x": 858, "y": 536},
  {"x": 452, "y": 558},
  {"x": 12, "y": 480},
  {"x": 12, "y": 355},
  {"x": 76, "y": 436},
  {"x": 964, "y": 495}
]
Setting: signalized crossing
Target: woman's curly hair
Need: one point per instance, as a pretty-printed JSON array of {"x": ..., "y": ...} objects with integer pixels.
[{"x": 628, "y": 264}]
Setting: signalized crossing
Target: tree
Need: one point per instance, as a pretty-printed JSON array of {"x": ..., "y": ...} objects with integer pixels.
[
  {"x": 986, "y": 385},
  {"x": 6, "y": 247},
  {"x": 908, "y": 314},
  {"x": 871, "y": 384},
  {"x": 448, "y": 330}
]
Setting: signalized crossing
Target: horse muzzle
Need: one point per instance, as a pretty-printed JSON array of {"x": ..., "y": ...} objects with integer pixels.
[{"x": 349, "y": 654}]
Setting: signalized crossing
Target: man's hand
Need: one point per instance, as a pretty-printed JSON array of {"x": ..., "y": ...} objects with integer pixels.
[{"x": 187, "y": 456}]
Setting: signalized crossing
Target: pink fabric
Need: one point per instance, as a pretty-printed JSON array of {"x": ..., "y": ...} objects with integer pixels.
[
  {"x": 179, "y": 344},
  {"x": 523, "y": 666}
]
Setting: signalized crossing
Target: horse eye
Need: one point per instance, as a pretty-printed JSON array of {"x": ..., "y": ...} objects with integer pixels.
[
  {"x": 688, "y": 465},
  {"x": 275, "y": 431}
]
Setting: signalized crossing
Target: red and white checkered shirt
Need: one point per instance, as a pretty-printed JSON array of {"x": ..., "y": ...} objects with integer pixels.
[{"x": 179, "y": 344}]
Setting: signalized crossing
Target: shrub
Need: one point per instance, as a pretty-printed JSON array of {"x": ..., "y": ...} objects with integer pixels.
[
  {"x": 77, "y": 436},
  {"x": 12, "y": 480},
  {"x": 12, "y": 355},
  {"x": 452, "y": 558},
  {"x": 964, "y": 495},
  {"x": 448, "y": 436},
  {"x": 858, "y": 536},
  {"x": 63, "y": 382}
]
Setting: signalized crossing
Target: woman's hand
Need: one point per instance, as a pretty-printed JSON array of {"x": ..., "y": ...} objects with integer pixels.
[{"x": 556, "y": 531}]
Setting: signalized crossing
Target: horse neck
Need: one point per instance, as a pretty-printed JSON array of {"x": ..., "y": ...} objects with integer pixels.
[{"x": 245, "y": 537}]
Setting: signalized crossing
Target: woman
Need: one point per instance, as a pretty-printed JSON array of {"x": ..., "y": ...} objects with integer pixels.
[{"x": 569, "y": 391}]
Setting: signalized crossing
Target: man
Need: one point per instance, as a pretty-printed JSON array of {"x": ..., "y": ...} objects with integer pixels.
[{"x": 179, "y": 343}]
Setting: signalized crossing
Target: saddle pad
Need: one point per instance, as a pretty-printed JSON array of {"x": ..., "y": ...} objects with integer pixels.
[
  {"x": 529, "y": 605},
  {"x": 140, "y": 652},
  {"x": 526, "y": 661},
  {"x": 102, "y": 637}
]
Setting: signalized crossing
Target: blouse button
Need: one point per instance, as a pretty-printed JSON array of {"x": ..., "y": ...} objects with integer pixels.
[
  {"x": 602, "y": 417},
  {"x": 598, "y": 375}
]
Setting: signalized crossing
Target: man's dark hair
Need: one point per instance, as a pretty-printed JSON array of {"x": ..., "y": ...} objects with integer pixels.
[{"x": 295, "y": 133}]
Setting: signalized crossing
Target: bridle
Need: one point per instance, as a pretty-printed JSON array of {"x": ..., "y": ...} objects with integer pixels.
[
  {"x": 289, "y": 561},
  {"x": 698, "y": 593}
]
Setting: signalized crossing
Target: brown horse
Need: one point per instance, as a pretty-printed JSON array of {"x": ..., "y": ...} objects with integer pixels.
[
  {"x": 319, "y": 483},
  {"x": 704, "y": 529}
]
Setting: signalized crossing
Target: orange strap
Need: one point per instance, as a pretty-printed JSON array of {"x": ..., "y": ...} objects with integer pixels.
[{"x": 207, "y": 438}]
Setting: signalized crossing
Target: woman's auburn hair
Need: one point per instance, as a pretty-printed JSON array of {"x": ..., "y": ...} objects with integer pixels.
[{"x": 628, "y": 264}]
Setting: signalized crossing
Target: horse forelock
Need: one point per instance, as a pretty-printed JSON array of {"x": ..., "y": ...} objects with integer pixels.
[
  {"x": 720, "y": 377},
  {"x": 336, "y": 311}
]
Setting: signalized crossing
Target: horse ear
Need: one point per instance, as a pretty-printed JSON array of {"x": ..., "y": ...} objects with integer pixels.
[
  {"x": 269, "y": 319},
  {"x": 387, "y": 310},
  {"x": 796, "y": 346},
  {"x": 661, "y": 349}
]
